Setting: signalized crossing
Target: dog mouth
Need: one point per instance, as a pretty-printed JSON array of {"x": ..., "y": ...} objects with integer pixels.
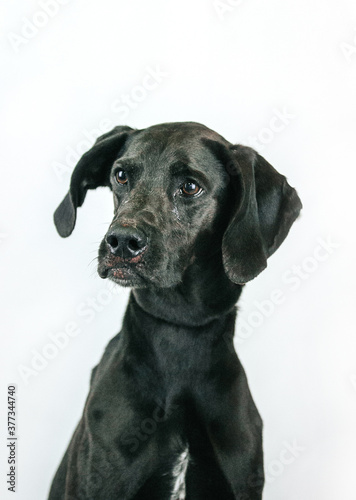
[{"x": 119, "y": 270}]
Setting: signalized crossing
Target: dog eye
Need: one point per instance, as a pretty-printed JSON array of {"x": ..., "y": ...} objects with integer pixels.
[
  {"x": 190, "y": 188},
  {"x": 121, "y": 176}
]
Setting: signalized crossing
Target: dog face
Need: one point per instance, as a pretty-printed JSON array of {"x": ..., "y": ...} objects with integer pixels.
[
  {"x": 168, "y": 193},
  {"x": 182, "y": 193}
]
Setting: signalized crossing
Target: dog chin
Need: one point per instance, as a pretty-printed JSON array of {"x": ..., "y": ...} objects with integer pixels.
[
  {"x": 132, "y": 282},
  {"x": 123, "y": 276}
]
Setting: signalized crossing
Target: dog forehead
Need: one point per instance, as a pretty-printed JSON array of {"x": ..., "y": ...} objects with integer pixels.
[
  {"x": 172, "y": 136},
  {"x": 160, "y": 146}
]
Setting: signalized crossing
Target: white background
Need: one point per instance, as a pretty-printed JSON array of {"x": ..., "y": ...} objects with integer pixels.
[{"x": 232, "y": 70}]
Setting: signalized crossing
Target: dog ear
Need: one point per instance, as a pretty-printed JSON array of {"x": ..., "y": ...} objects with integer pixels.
[
  {"x": 92, "y": 171},
  {"x": 265, "y": 207}
]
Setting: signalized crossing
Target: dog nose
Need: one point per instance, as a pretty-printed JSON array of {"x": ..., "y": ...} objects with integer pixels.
[{"x": 126, "y": 242}]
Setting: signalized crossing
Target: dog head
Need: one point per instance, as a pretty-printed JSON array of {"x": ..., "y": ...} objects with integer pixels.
[{"x": 182, "y": 193}]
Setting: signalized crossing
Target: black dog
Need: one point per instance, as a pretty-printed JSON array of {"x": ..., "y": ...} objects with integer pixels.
[{"x": 169, "y": 413}]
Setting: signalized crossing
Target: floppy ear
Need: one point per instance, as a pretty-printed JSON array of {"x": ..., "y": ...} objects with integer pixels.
[
  {"x": 265, "y": 208},
  {"x": 92, "y": 171}
]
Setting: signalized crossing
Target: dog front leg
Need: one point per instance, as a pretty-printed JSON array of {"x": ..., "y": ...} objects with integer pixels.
[{"x": 234, "y": 427}]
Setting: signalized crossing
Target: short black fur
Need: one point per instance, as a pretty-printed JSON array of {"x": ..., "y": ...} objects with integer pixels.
[{"x": 171, "y": 382}]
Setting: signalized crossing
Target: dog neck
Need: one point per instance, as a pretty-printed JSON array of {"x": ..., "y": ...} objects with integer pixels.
[
  {"x": 147, "y": 334},
  {"x": 204, "y": 294}
]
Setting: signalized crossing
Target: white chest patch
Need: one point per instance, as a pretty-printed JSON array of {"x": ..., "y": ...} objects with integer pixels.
[{"x": 179, "y": 473}]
